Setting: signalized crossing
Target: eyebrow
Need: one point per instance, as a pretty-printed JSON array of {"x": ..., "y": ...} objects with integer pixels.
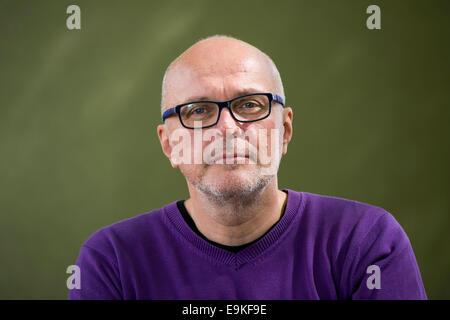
[{"x": 238, "y": 94}]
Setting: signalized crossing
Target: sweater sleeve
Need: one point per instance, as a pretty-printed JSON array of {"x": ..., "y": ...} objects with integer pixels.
[
  {"x": 384, "y": 266},
  {"x": 99, "y": 277}
]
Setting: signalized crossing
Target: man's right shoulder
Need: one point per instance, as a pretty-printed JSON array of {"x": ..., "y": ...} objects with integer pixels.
[{"x": 138, "y": 229}]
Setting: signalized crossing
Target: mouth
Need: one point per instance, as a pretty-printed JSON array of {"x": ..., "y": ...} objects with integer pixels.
[{"x": 230, "y": 158}]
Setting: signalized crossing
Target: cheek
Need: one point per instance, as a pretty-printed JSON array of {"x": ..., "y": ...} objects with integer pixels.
[
  {"x": 193, "y": 172},
  {"x": 264, "y": 131},
  {"x": 269, "y": 143}
]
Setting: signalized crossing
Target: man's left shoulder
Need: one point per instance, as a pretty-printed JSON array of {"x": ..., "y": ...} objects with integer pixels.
[
  {"x": 338, "y": 212},
  {"x": 355, "y": 237}
]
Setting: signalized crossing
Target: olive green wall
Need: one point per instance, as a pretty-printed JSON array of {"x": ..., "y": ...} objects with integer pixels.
[{"x": 78, "y": 112}]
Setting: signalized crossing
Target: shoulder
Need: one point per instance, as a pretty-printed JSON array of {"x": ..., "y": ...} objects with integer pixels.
[
  {"x": 330, "y": 209},
  {"x": 128, "y": 233},
  {"x": 351, "y": 229},
  {"x": 342, "y": 218},
  {"x": 348, "y": 237},
  {"x": 338, "y": 206}
]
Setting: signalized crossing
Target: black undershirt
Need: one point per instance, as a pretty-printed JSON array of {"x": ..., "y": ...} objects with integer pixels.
[{"x": 235, "y": 249}]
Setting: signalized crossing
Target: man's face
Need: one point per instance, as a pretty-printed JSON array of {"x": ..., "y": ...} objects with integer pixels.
[{"x": 220, "y": 76}]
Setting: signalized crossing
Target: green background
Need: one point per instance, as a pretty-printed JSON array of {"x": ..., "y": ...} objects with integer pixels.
[{"x": 79, "y": 109}]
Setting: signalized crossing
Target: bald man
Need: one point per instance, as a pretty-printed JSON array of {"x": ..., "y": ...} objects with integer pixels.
[{"x": 238, "y": 236}]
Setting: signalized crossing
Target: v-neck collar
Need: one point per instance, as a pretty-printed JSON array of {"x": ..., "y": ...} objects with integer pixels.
[{"x": 175, "y": 219}]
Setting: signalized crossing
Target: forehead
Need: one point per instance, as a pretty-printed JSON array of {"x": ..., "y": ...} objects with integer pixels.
[{"x": 217, "y": 79}]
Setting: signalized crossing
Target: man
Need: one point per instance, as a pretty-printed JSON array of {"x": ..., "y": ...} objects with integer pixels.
[{"x": 238, "y": 236}]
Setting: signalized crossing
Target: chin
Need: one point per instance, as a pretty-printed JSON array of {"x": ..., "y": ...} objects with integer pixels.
[
  {"x": 233, "y": 183},
  {"x": 227, "y": 181}
]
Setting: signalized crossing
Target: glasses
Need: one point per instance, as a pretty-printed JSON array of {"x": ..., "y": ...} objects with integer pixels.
[{"x": 204, "y": 114}]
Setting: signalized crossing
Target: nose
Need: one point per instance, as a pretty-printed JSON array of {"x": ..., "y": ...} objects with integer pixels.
[{"x": 226, "y": 121}]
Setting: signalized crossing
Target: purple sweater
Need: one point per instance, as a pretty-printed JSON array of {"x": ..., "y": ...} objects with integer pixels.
[{"x": 321, "y": 248}]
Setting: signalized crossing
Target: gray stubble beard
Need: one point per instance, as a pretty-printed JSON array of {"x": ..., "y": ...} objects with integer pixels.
[{"x": 243, "y": 196}]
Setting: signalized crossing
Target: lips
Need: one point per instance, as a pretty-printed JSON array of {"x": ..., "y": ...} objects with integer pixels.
[{"x": 227, "y": 156}]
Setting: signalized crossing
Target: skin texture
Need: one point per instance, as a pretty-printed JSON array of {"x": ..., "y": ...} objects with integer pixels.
[{"x": 231, "y": 204}]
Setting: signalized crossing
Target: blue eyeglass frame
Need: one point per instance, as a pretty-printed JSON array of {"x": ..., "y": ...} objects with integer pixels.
[{"x": 223, "y": 104}]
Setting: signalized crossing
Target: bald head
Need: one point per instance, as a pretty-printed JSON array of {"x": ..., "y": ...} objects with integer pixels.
[{"x": 218, "y": 68}]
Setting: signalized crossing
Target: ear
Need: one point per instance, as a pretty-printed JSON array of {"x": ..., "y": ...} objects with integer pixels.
[
  {"x": 287, "y": 124},
  {"x": 164, "y": 139}
]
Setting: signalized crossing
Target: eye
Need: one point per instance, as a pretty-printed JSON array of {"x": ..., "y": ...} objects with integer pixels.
[
  {"x": 249, "y": 105},
  {"x": 199, "y": 110}
]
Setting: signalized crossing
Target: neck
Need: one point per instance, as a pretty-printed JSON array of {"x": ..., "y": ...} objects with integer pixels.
[{"x": 237, "y": 220}]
